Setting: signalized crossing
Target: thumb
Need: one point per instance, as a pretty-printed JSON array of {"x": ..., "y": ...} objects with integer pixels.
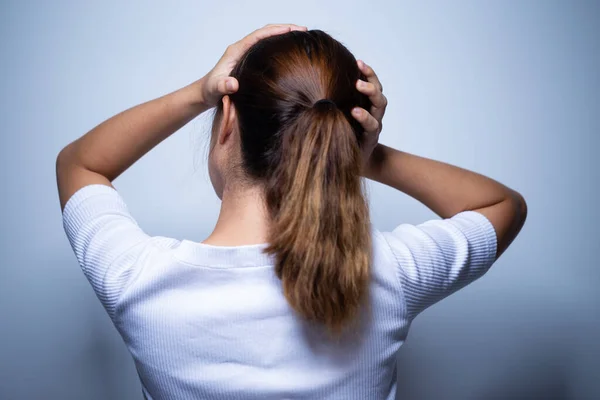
[{"x": 228, "y": 85}]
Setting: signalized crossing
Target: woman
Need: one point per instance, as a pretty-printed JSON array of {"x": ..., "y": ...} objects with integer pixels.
[{"x": 294, "y": 294}]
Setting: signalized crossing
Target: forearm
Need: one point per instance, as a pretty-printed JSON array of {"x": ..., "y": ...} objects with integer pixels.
[
  {"x": 443, "y": 188},
  {"x": 114, "y": 145}
]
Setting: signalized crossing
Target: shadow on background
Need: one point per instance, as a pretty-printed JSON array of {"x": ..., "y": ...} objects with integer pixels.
[
  {"x": 530, "y": 348},
  {"x": 544, "y": 382},
  {"x": 534, "y": 378}
]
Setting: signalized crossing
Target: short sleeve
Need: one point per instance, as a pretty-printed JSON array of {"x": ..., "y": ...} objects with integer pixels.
[
  {"x": 439, "y": 257},
  {"x": 106, "y": 239}
]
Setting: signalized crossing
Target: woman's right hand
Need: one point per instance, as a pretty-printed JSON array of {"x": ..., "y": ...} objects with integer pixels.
[
  {"x": 217, "y": 82},
  {"x": 370, "y": 120}
]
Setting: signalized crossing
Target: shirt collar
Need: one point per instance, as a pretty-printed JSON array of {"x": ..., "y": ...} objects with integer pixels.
[{"x": 203, "y": 254}]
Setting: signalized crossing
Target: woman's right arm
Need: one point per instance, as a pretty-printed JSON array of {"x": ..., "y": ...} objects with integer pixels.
[{"x": 448, "y": 190}]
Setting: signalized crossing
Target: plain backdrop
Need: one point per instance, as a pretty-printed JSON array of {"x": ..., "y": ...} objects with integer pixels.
[{"x": 510, "y": 89}]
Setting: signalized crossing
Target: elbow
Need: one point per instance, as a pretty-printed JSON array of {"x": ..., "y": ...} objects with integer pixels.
[
  {"x": 66, "y": 156},
  {"x": 61, "y": 165},
  {"x": 61, "y": 159},
  {"x": 65, "y": 160},
  {"x": 520, "y": 209}
]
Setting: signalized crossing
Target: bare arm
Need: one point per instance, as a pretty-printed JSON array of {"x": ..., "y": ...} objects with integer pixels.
[{"x": 445, "y": 189}]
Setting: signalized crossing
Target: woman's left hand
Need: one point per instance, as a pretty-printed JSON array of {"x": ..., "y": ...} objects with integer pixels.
[{"x": 217, "y": 82}]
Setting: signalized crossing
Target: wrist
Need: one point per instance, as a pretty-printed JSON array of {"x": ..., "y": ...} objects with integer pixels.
[
  {"x": 194, "y": 95},
  {"x": 374, "y": 164}
]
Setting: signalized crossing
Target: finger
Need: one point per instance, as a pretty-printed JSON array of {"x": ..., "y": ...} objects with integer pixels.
[
  {"x": 293, "y": 27},
  {"x": 266, "y": 31},
  {"x": 377, "y": 98},
  {"x": 369, "y": 74},
  {"x": 228, "y": 85},
  {"x": 368, "y": 122},
  {"x": 270, "y": 30}
]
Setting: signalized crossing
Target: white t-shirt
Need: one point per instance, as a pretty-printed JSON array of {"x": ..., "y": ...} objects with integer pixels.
[{"x": 211, "y": 322}]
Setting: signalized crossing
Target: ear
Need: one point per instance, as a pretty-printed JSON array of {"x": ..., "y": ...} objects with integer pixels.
[{"x": 228, "y": 121}]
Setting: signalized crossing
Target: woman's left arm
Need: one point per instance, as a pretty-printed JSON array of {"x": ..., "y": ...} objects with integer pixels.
[{"x": 105, "y": 152}]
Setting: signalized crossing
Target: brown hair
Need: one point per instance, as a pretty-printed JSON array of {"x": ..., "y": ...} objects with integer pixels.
[{"x": 306, "y": 155}]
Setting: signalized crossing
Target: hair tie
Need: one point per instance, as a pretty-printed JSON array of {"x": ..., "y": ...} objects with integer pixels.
[{"x": 325, "y": 101}]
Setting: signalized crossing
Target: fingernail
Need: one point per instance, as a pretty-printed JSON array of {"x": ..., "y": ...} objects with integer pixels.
[
  {"x": 356, "y": 111},
  {"x": 229, "y": 85}
]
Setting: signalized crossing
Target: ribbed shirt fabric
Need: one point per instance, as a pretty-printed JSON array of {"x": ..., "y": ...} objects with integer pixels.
[{"x": 211, "y": 322}]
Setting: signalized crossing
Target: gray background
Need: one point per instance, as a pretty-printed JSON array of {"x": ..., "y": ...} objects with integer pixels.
[{"x": 508, "y": 89}]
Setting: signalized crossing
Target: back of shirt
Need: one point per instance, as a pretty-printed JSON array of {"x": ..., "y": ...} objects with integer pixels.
[{"x": 211, "y": 322}]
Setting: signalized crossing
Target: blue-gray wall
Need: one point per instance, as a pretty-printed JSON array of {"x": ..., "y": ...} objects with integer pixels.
[{"x": 509, "y": 89}]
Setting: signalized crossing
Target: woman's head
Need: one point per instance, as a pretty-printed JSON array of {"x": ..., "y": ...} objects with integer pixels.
[{"x": 304, "y": 155}]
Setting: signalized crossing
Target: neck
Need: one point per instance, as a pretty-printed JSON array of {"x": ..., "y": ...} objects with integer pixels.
[{"x": 243, "y": 219}]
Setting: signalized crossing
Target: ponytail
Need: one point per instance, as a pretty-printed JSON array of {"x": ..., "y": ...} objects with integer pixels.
[{"x": 320, "y": 230}]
